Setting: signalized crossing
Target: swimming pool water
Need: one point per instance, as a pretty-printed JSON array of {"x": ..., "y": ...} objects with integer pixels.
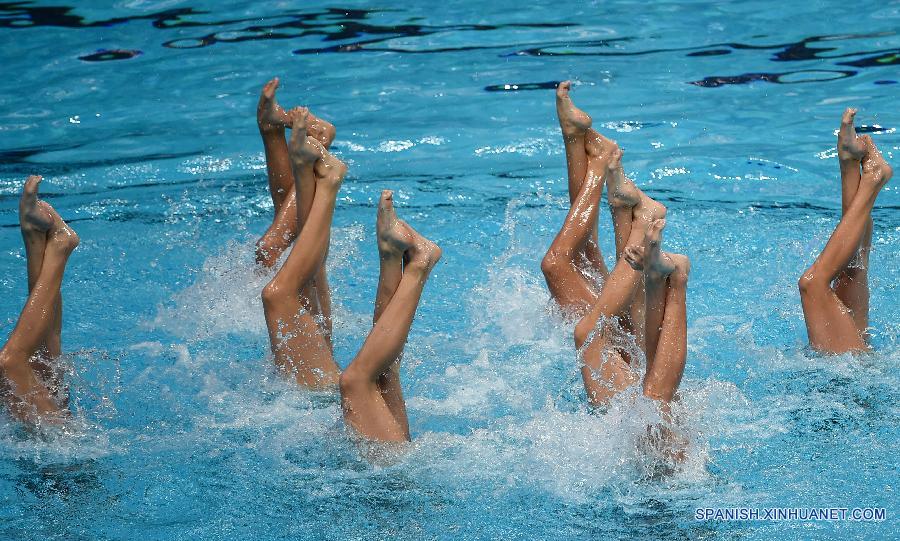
[{"x": 141, "y": 118}]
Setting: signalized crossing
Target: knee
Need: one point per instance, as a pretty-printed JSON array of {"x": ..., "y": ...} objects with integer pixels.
[
  {"x": 661, "y": 212},
  {"x": 351, "y": 381},
  {"x": 810, "y": 281},
  {"x": 552, "y": 264},
  {"x": 583, "y": 330},
  {"x": 272, "y": 293}
]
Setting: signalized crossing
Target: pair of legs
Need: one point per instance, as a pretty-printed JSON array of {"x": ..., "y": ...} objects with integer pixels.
[
  {"x": 578, "y": 139},
  {"x": 592, "y": 160},
  {"x": 834, "y": 291},
  {"x": 371, "y": 396},
  {"x": 370, "y": 387},
  {"x": 292, "y": 195},
  {"x": 606, "y": 370},
  {"x": 291, "y": 299},
  {"x": 29, "y": 382},
  {"x": 574, "y": 257}
]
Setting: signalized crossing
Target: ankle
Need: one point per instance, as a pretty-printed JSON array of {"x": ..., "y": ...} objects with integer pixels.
[
  {"x": 389, "y": 254},
  {"x": 847, "y": 161},
  {"x": 267, "y": 129}
]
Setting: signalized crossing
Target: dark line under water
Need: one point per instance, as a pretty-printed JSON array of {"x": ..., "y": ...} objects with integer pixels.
[{"x": 343, "y": 24}]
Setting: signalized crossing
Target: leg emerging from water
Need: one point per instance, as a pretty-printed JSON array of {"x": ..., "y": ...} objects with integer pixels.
[
  {"x": 852, "y": 284},
  {"x": 658, "y": 266},
  {"x": 566, "y": 280},
  {"x": 606, "y": 370},
  {"x": 394, "y": 239},
  {"x": 26, "y": 393},
  {"x": 829, "y": 324},
  {"x": 316, "y": 130},
  {"x": 35, "y": 219},
  {"x": 370, "y": 387},
  {"x": 272, "y": 120},
  {"x": 666, "y": 367},
  {"x": 575, "y": 126},
  {"x": 632, "y": 212},
  {"x": 297, "y": 340}
]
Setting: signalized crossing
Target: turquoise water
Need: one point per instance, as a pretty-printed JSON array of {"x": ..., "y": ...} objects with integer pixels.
[{"x": 142, "y": 120}]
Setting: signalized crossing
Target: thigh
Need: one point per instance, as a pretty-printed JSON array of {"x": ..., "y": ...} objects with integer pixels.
[
  {"x": 300, "y": 348},
  {"x": 852, "y": 288},
  {"x": 606, "y": 371},
  {"x": 366, "y": 412},
  {"x": 571, "y": 290},
  {"x": 829, "y": 324}
]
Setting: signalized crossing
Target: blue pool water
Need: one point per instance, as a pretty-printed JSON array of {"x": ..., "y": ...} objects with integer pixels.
[{"x": 142, "y": 120}]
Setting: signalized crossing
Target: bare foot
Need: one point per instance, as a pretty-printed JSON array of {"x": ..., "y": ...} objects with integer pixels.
[
  {"x": 304, "y": 150},
  {"x": 572, "y": 120},
  {"x": 422, "y": 254},
  {"x": 648, "y": 209},
  {"x": 329, "y": 170},
  {"x": 35, "y": 216},
  {"x": 395, "y": 236},
  {"x": 595, "y": 145},
  {"x": 321, "y": 130},
  {"x": 850, "y": 148},
  {"x": 875, "y": 168},
  {"x": 620, "y": 190},
  {"x": 635, "y": 255},
  {"x": 657, "y": 263},
  {"x": 269, "y": 115},
  {"x": 61, "y": 237}
]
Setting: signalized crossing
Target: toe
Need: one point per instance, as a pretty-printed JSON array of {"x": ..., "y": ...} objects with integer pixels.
[
  {"x": 270, "y": 87},
  {"x": 31, "y": 185}
]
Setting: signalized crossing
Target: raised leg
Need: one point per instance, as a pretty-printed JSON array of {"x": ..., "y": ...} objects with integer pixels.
[
  {"x": 852, "y": 284},
  {"x": 27, "y": 395},
  {"x": 35, "y": 219},
  {"x": 272, "y": 120},
  {"x": 622, "y": 196},
  {"x": 632, "y": 212},
  {"x": 575, "y": 126},
  {"x": 666, "y": 368},
  {"x": 394, "y": 239},
  {"x": 829, "y": 324},
  {"x": 566, "y": 281},
  {"x": 305, "y": 189},
  {"x": 574, "y": 123},
  {"x": 364, "y": 402},
  {"x": 646, "y": 212},
  {"x": 297, "y": 341},
  {"x": 605, "y": 368},
  {"x": 657, "y": 269},
  {"x": 324, "y": 132}
]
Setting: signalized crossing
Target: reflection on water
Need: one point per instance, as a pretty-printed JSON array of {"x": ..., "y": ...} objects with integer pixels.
[{"x": 354, "y": 27}]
